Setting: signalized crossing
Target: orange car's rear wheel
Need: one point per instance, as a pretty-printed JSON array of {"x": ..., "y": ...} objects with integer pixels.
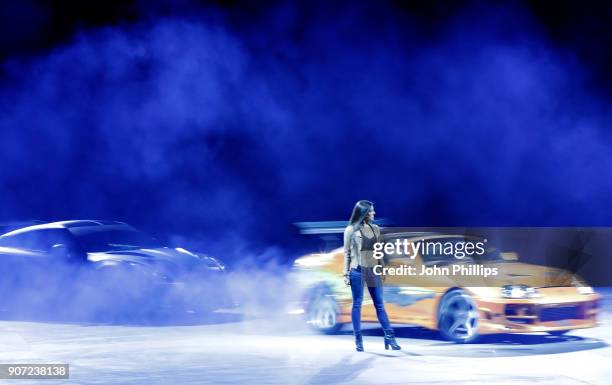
[
  {"x": 322, "y": 314},
  {"x": 458, "y": 317}
]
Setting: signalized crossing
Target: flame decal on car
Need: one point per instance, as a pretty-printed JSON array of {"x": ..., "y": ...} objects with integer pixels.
[{"x": 406, "y": 296}]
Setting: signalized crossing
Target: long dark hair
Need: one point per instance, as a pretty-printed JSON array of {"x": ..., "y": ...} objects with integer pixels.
[{"x": 360, "y": 211}]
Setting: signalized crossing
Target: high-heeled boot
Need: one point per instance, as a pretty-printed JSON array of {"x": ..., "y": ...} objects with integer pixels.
[
  {"x": 390, "y": 340},
  {"x": 358, "y": 342}
]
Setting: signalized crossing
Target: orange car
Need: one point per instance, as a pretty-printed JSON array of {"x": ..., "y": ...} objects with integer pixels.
[{"x": 520, "y": 298}]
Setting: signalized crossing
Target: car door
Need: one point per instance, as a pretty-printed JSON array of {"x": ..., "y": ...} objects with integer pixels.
[{"x": 409, "y": 296}]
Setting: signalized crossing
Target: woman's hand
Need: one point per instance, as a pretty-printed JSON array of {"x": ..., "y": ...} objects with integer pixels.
[{"x": 347, "y": 280}]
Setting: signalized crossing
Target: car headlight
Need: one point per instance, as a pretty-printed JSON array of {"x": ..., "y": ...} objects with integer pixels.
[
  {"x": 211, "y": 261},
  {"x": 582, "y": 286},
  {"x": 220, "y": 264},
  {"x": 206, "y": 259},
  {"x": 519, "y": 291}
]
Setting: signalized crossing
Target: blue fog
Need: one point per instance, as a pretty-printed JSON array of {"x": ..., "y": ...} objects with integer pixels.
[{"x": 222, "y": 137}]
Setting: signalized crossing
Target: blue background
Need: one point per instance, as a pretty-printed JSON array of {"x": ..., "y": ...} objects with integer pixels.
[{"x": 219, "y": 125}]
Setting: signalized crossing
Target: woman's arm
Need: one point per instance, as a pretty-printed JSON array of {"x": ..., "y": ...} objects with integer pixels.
[{"x": 347, "y": 250}]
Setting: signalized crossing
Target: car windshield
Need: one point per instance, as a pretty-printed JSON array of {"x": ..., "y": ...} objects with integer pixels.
[
  {"x": 115, "y": 239},
  {"x": 491, "y": 254}
]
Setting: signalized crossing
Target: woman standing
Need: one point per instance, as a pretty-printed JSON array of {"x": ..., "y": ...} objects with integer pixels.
[{"x": 359, "y": 238}]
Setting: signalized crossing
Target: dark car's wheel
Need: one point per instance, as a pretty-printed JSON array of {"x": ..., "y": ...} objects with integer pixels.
[
  {"x": 322, "y": 314},
  {"x": 558, "y": 332},
  {"x": 458, "y": 317}
]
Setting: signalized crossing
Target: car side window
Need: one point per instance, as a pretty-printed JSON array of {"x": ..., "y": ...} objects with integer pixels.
[
  {"x": 6, "y": 241},
  {"x": 19, "y": 241},
  {"x": 406, "y": 249},
  {"x": 36, "y": 240},
  {"x": 393, "y": 255}
]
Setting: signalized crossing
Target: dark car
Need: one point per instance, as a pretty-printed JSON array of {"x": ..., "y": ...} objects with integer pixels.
[{"x": 103, "y": 267}]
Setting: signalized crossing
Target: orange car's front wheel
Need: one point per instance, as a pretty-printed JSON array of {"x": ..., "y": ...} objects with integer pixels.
[{"x": 458, "y": 317}]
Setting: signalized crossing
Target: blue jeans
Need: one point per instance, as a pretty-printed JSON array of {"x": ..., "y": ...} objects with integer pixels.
[{"x": 359, "y": 277}]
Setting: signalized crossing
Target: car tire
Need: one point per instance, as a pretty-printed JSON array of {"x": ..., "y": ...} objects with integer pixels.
[
  {"x": 322, "y": 314},
  {"x": 558, "y": 332},
  {"x": 458, "y": 317}
]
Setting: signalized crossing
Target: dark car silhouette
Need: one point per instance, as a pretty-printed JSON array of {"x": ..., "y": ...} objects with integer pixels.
[{"x": 103, "y": 267}]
